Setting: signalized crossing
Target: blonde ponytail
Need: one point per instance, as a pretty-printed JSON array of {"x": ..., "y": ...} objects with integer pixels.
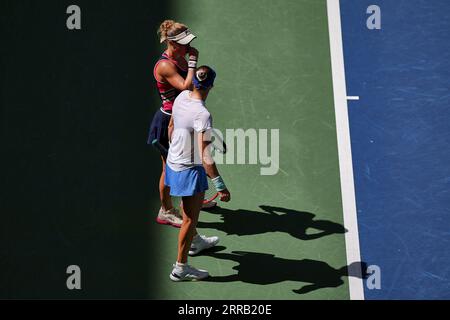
[
  {"x": 170, "y": 28},
  {"x": 164, "y": 28}
]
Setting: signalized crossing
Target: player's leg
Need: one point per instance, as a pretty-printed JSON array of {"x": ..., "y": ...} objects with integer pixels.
[
  {"x": 167, "y": 213},
  {"x": 191, "y": 210},
  {"x": 159, "y": 132},
  {"x": 164, "y": 191},
  {"x": 201, "y": 242}
]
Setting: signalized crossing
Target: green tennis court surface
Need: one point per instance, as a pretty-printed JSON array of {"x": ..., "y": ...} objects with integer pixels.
[{"x": 282, "y": 236}]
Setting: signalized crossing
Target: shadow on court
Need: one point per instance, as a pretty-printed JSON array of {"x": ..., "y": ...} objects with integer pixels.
[
  {"x": 264, "y": 269},
  {"x": 272, "y": 219}
]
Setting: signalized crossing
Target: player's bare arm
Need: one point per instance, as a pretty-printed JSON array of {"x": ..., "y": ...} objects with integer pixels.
[
  {"x": 170, "y": 128},
  {"x": 204, "y": 142},
  {"x": 168, "y": 72}
]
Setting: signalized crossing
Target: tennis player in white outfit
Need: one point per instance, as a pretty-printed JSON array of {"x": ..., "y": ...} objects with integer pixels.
[{"x": 188, "y": 164}]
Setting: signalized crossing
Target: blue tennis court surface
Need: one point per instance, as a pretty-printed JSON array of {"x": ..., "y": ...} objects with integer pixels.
[{"x": 400, "y": 135}]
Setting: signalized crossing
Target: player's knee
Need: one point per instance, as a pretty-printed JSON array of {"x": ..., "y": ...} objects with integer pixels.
[
  {"x": 189, "y": 222},
  {"x": 189, "y": 225}
]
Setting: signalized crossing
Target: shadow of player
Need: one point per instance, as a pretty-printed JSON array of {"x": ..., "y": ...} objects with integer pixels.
[
  {"x": 272, "y": 219},
  {"x": 264, "y": 269}
]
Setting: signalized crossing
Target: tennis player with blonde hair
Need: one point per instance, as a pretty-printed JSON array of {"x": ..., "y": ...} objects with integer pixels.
[{"x": 173, "y": 74}]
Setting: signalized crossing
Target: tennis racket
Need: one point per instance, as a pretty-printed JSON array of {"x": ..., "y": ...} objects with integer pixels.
[
  {"x": 210, "y": 195},
  {"x": 217, "y": 141}
]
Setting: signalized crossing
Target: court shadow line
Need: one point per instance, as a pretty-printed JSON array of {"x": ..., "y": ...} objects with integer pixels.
[
  {"x": 265, "y": 269},
  {"x": 243, "y": 222}
]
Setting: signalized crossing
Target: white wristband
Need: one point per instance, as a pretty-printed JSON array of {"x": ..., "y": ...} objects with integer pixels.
[{"x": 192, "y": 64}]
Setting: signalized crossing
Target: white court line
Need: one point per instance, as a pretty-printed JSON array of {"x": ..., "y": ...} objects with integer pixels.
[
  {"x": 353, "y": 98},
  {"x": 344, "y": 147}
]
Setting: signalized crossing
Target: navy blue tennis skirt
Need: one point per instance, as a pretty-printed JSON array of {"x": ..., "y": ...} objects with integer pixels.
[{"x": 159, "y": 128}]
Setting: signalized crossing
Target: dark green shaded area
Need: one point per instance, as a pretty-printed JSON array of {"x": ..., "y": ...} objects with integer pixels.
[{"x": 77, "y": 176}]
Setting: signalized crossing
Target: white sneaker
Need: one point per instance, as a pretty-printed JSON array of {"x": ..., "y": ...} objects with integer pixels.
[
  {"x": 200, "y": 243},
  {"x": 187, "y": 273},
  {"x": 209, "y": 205},
  {"x": 171, "y": 217}
]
